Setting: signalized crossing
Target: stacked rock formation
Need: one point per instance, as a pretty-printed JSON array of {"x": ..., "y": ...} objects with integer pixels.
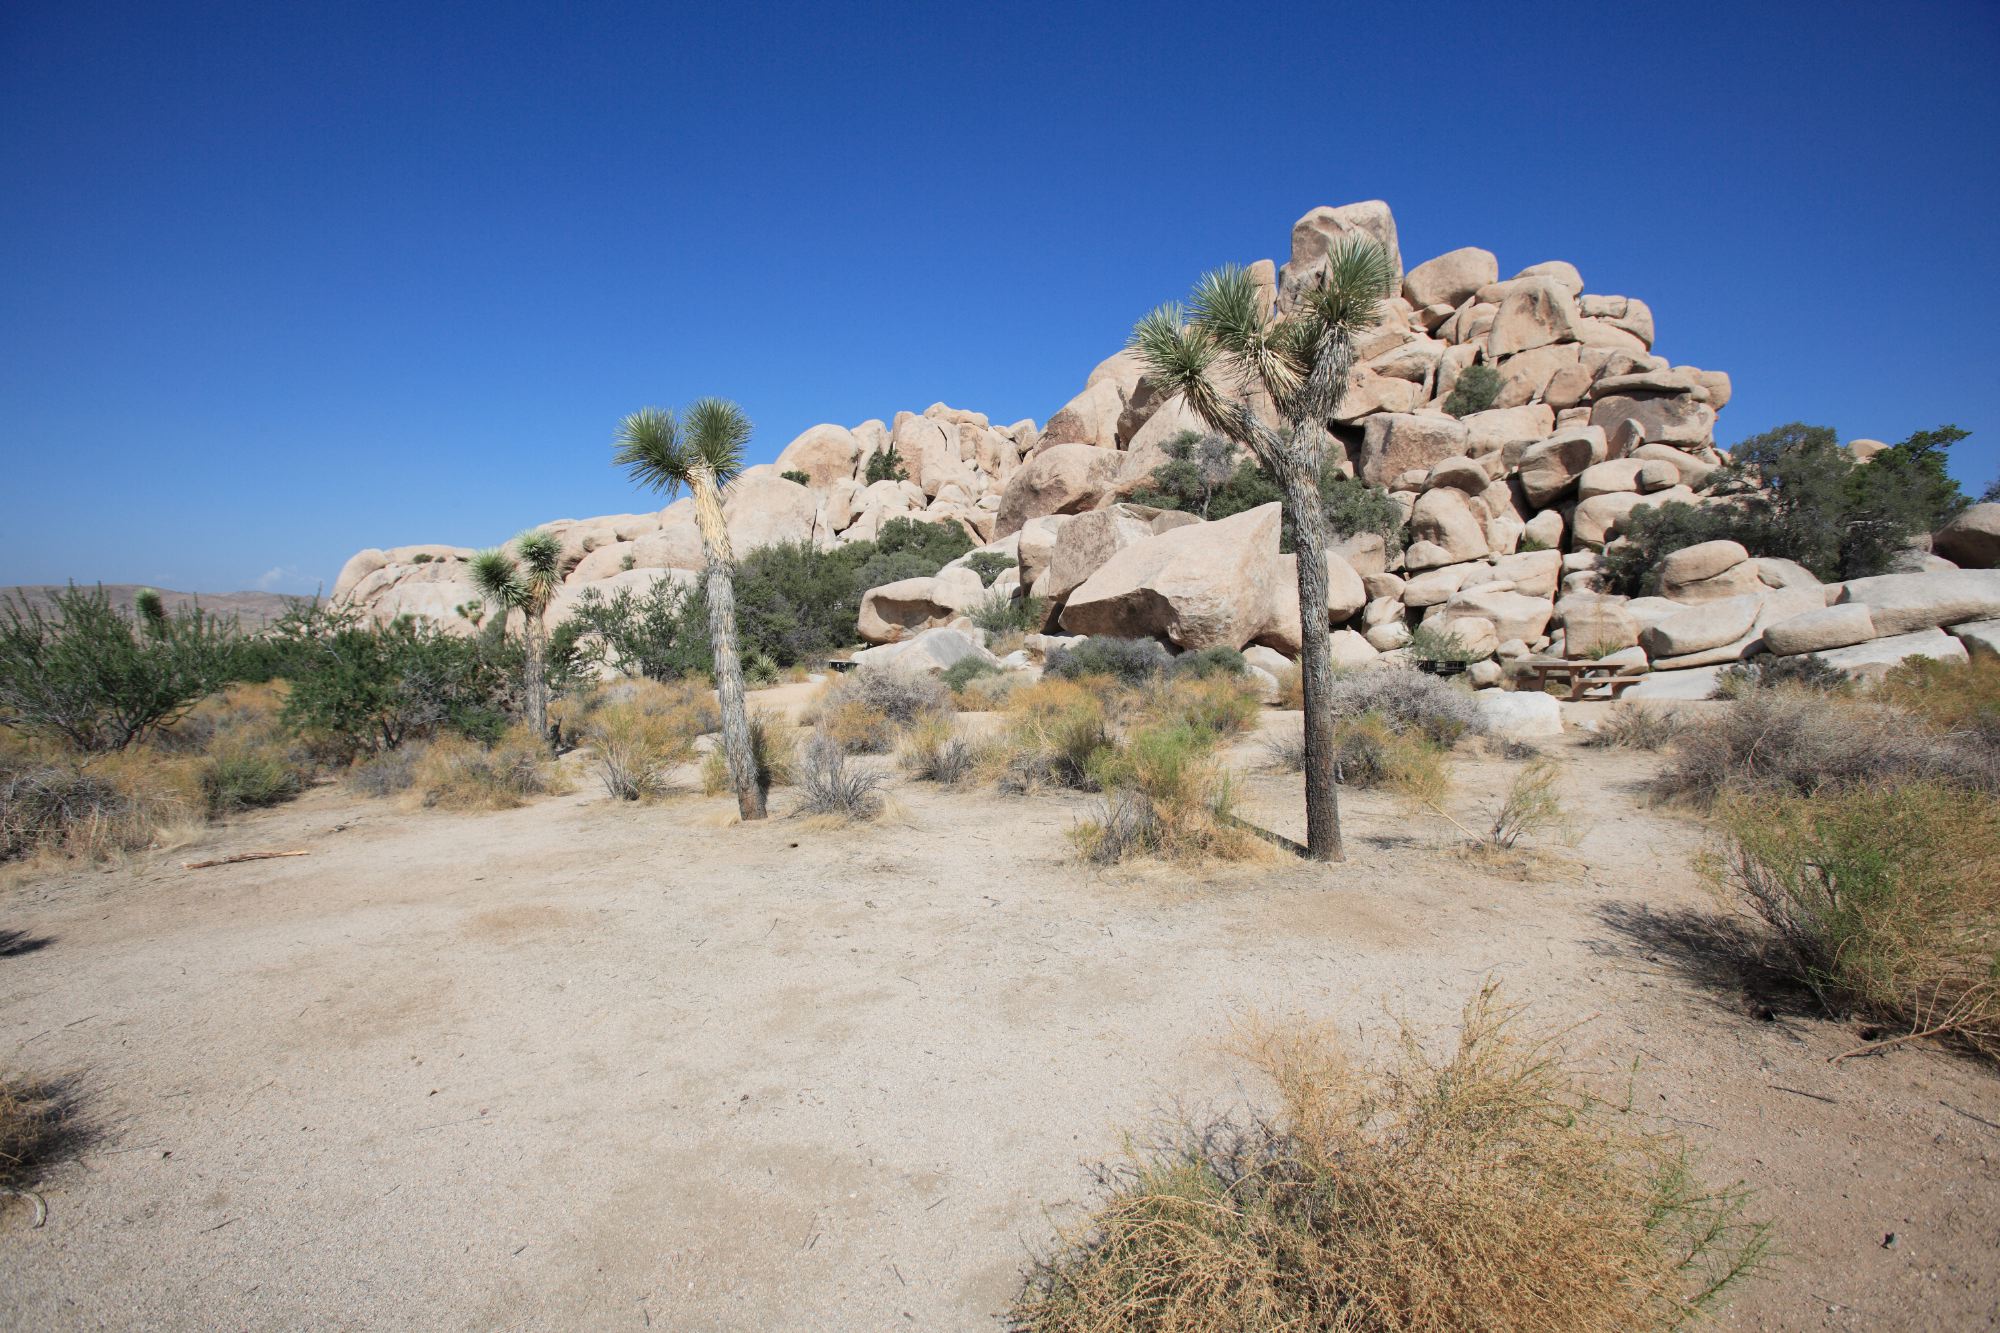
[{"x": 1509, "y": 508}]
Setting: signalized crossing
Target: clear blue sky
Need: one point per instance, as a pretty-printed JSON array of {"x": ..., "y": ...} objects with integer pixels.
[{"x": 283, "y": 281}]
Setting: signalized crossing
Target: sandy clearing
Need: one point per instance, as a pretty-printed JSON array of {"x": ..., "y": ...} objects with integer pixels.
[{"x": 588, "y": 1065}]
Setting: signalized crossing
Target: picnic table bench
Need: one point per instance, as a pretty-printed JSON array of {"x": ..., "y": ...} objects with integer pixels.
[{"x": 1585, "y": 677}]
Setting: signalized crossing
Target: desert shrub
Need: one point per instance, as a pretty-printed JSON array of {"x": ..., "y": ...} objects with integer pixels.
[
  {"x": 1292, "y": 689},
  {"x": 1056, "y": 731},
  {"x": 903, "y": 697},
  {"x": 1368, "y": 752},
  {"x": 113, "y": 807},
  {"x": 830, "y": 785},
  {"x": 96, "y": 679},
  {"x": 1204, "y": 475},
  {"x": 989, "y": 691},
  {"x": 1205, "y": 662},
  {"x": 1485, "y": 1187},
  {"x": 1165, "y": 796},
  {"x": 459, "y": 774},
  {"x": 1354, "y": 507},
  {"x": 389, "y": 773},
  {"x": 1884, "y": 900},
  {"x": 935, "y": 752},
  {"x": 661, "y": 634},
  {"x": 1959, "y": 697},
  {"x": 361, "y": 689},
  {"x": 250, "y": 777},
  {"x": 1217, "y": 705},
  {"x": 886, "y": 465},
  {"x": 1408, "y": 700},
  {"x": 989, "y": 565},
  {"x": 642, "y": 736},
  {"x": 964, "y": 671},
  {"x": 1474, "y": 390},
  {"x": 1002, "y": 613},
  {"x": 1634, "y": 726},
  {"x": 42, "y": 1124},
  {"x": 1648, "y": 536},
  {"x": 1130, "y": 661},
  {"x": 1791, "y": 741},
  {"x": 1439, "y": 645},
  {"x": 797, "y": 477},
  {"x": 1533, "y": 806},
  {"x": 1805, "y": 671}
]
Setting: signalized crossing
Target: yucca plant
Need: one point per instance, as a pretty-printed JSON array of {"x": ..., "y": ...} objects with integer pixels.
[
  {"x": 526, "y": 580},
  {"x": 1223, "y": 349},
  {"x": 703, "y": 454}
]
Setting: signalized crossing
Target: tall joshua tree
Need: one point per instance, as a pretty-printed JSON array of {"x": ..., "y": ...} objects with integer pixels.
[
  {"x": 526, "y": 580},
  {"x": 1219, "y": 352},
  {"x": 703, "y": 453}
]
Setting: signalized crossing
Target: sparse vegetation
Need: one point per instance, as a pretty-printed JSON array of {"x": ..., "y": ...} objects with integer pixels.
[
  {"x": 990, "y": 565},
  {"x": 1532, "y": 807},
  {"x": 458, "y": 774},
  {"x": 42, "y": 1124},
  {"x": 1474, "y": 391},
  {"x": 796, "y": 477},
  {"x": 1208, "y": 476},
  {"x": 1202, "y": 663},
  {"x": 641, "y": 731},
  {"x": 1408, "y": 701},
  {"x": 1634, "y": 726},
  {"x": 1884, "y": 900},
  {"x": 830, "y": 785},
  {"x": 1128, "y": 661},
  {"x": 1165, "y": 796},
  {"x": 1439, "y": 645},
  {"x": 886, "y": 465},
  {"x": 1484, "y": 1187},
  {"x": 935, "y": 752},
  {"x": 1056, "y": 728},
  {"x": 1806, "y": 671},
  {"x": 1000, "y": 613},
  {"x": 964, "y": 671}
]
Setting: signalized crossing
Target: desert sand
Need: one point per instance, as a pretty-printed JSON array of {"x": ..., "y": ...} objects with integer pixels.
[{"x": 584, "y": 1064}]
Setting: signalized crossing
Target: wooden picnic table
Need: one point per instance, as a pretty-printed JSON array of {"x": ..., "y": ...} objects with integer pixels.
[{"x": 1586, "y": 677}]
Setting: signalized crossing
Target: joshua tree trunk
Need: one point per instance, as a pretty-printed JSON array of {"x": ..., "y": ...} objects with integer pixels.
[
  {"x": 535, "y": 642},
  {"x": 736, "y": 745},
  {"x": 1309, "y": 540}
]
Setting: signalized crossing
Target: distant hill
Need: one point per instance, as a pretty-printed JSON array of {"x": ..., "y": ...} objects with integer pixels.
[{"x": 253, "y": 610}]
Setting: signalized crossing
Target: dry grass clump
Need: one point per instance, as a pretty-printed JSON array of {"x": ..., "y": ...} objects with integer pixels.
[
  {"x": 1959, "y": 697},
  {"x": 1166, "y": 797},
  {"x": 386, "y": 772},
  {"x": 100, "y": 810},
  {"x": 41, "y": 1125},
  {"x": 1788, "y": 741},
  {"x": 1532, "y": 807},
  {"x": 831, "y": 785},
  {"x": 1292, "y": 689},
  {"x": 1221, "y": 703},
  {"x": 457, "y": 774},
  {"x": 935, "y": 752},
  {"x": 773, "y": 748},
  {"x": 1883, "y": 901},
  {"x": 1634, "y": 726},
  {"x": 866, "y": 710},
  {"x": 1408, "y": 700},
  {"x": 1055, "y": 731},
  {"x": 1487, "y": 1189},
  {"x": 641, "y": 731}
]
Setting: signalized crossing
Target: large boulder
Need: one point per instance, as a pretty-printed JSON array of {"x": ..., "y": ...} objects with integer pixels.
[
  {"x": 1088, "y": 540},
  {"x": 1900, "y": 603},
  {"x": 1283, "y": 629},
  {"x": 358, "y": 567},
  {"x": 1818, "y": 630},
  {"x": 929, "y": 652},
  {"x": 1700, "y": 573},
  {"x": 1597, "y": 519},
  {"x": 1451, "y": 277},
  {"x": 1398, "y": 442},
  {"x": 1512, "y": 615},
  {"x": 1874, "y": 659},
  {"x": 1673, "y": 418},
  {"x": 1061, "y": 479},
  {"x": 1549, "y": 466},
  {"x": 1596, "y": 624},
  {"x": 1533, "y": 573},
  {"x": 763, "y": 509},
  {"x": 1316, "y": 233},
  {"x": 1697, "y": 628},
  {"x": 891, "y": 611},
  {"x": 826, "y": 453},
  {"x": 1519, "y": 715},
  {"x": 1534, "y": 313},
  {"x": 1508, "y": 430},
  {"x": 1980, "y": 637},
  {"x": 1443, "y": 518},
  {"x": 1197, "y": 586},
  {"x": 1971, "y": 540}
]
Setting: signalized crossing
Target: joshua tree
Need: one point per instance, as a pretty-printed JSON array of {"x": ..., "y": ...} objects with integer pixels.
[
  {"x": 1228, "y": 346},
  {"x": 704, "y": 454},
  {"x": 526, "y": 584}
]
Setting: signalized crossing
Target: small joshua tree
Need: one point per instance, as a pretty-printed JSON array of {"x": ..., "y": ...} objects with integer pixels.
[
  {"x": 1221, "y": 350},
  {"x": 704, "y": 454},
  {"x": 526, "y": 580}
]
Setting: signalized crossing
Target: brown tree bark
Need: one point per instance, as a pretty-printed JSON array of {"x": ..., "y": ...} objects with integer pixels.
[
  {"x": 729, "y": 692},
  {"x": 1309, "y": 540}
]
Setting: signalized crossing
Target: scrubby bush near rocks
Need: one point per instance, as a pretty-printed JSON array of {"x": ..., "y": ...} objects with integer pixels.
[
  {"x": 964, "y": 671},
  {"x": 1474, "y": 391},
  {"x": 1055, "y": 730},
  {"x": 97, "y": 679},
  {"x": 1408, "y": 700},
  {"x": 641, "y": 731},
  {"x": 455, "y": 773},
  {"x": 1634, "y": 726},
  {"x": 1792, "y": 742},
  {"x": 1129, "y": 661},
  {"x": 1001, "y": 613},
  {"x": 1481, "y": 1186},
  {"x": 990, "y": 565},
  {"x": 935, "y": 752},
  {"x": 1205, "y": 476},
  {"x": 1165, "y": 796},
  {"x": 1962, "y": 698},
  {"x": 389, "y": 773},
  {"x": 1884, "y": 900},
  {"x": 1806, "y": 671},
  {"x": 865, "y": 710},
  {"x": 1204, "y": 662},
  {"x": 361, "y": 689}
]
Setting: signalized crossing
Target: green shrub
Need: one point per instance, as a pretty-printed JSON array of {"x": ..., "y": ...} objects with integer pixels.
[
  {"x": 1806, "y": 671},
  {"x": 1132, "y": 661},
  {"x": 1439, "y": 645},
  {"x": 661, "y": 634},
  {"x": 96, "y": 680},
  {"x": 361, "y": 689},
  {"x": 1408, "y": 701},
  {"x": 1002, "y": 613},
  {"x": 1202, "y": 476},
  {"x": 251, "y": 777},
  {"x": 1165, "y": 796},
  {"x": 964, "y": 671},
  {"x": 1474, "y": 391},
  {"x": 797, "y": 477},
  {"x": 1202, "y": 663},
  {"x": 1884, "y": 900},
  {"x": 990, "y": 565},
  {"x": 886, "y": 465}
]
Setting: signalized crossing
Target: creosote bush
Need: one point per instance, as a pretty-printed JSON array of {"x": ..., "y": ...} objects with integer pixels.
[
  {"x": 1054, "y": 732},
  {"x": 1883, "y": 900},
  {"x": 1483, "y": 1187},
  {"x": 1806, "y": 671}
]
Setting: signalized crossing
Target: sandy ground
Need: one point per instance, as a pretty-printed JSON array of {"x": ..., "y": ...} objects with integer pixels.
[{"x": 591, "y": 1065}]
